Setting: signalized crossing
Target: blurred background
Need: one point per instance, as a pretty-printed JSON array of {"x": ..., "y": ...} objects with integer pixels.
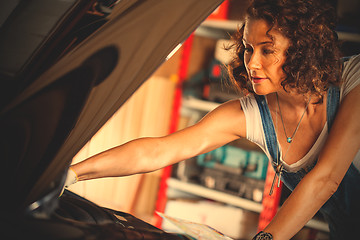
[{"x": 225, "y": 184}]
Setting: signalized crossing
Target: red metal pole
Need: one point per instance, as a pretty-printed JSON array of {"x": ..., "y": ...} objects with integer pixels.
[{"x": 270, "y": 203}]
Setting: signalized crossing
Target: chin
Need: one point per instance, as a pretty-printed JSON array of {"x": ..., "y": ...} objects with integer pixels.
[{"x": 261, "y": 91}]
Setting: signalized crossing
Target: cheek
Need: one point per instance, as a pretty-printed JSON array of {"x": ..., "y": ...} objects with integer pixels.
[
  {"x": 280, "y": 70},
  {"x": 272, "y": 61},
  {"x": 276, "y": 65},
  {"x": 278, "y": 76}
]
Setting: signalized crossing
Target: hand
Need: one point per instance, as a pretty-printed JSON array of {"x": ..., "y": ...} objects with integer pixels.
[{"x": 71, "y": 177}]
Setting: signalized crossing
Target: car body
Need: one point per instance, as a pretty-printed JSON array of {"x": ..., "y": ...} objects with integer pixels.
[{"x": 65, "y": 67}]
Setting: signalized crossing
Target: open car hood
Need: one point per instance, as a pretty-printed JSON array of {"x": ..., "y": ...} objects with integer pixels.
[{"x": 52, "y": 104}]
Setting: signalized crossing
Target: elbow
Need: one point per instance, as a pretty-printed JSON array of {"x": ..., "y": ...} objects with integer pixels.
[
  {"x": 327, "y": 186},
  {"x": 333, "y": 185}
]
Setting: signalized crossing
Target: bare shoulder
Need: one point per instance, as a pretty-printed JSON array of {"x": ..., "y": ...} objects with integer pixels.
[
  {"x": 222, "y": 125},
  {"x": 351, "y": 100},
  {"x": 228, "y": 109},
  {"x": 228, "y": 118}
]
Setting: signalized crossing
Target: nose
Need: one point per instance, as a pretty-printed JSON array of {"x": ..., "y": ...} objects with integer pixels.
[{"x": 253, "y": 61}]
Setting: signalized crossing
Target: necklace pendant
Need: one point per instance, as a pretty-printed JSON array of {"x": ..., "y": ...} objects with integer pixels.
[{"x": 289, "y": 139}]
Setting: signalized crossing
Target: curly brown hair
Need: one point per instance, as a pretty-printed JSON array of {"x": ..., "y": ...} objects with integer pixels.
[{"x": 313, "y": 56}]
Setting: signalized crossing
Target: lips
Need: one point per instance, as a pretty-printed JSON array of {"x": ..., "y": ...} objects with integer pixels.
[{"x": 257, "y": 79}]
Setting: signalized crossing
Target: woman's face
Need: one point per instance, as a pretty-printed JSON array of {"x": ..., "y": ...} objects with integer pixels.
[{"x": 264, "y": 56}]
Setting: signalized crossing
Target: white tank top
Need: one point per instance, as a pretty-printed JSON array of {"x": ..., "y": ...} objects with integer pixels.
[{"x": 255, "y": 132}]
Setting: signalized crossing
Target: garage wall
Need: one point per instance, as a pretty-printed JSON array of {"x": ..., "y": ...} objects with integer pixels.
[{"x": 146, "y": 113}]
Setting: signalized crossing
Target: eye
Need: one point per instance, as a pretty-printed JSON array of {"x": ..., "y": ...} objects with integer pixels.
[{"x": 268, "y": 51}]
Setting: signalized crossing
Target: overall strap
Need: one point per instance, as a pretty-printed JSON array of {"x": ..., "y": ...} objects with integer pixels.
[
  {"x": 332, "y": 104},
  {"x": 268, "y": 126},
  {"x": 333, "y": 99}
]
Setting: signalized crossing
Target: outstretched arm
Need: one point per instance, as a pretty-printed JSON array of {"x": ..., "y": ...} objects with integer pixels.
[
  {"x": 224, "y": 124},
  {"x": 318, "y": 185}
]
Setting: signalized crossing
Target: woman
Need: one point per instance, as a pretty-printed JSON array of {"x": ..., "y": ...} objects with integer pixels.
[{"x": 288, "y": 62}]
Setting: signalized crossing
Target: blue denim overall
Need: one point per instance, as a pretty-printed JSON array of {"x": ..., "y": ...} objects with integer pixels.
[{"x": 342, "y": 210}]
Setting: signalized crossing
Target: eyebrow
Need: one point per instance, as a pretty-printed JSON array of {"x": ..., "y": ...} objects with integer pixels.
[{"x": 260, "y": 43}]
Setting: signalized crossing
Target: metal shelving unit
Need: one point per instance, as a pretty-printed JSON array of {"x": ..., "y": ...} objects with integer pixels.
[
  {"x": 201, "y": 191},
  {"x": 197, "y": 104},
  {"x": 246, "y": 204},
  {"x": 208, "y": 193}
]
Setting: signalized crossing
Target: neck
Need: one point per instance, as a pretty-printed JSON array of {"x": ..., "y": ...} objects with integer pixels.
[
  {"x": 293, "y": 104},
  {"x": 294, "y": 100}
]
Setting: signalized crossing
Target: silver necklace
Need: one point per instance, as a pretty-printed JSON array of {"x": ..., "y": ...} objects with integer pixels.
[
  {"x": 279, "y": 166},
  {"x": 289, "y": 139}
]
